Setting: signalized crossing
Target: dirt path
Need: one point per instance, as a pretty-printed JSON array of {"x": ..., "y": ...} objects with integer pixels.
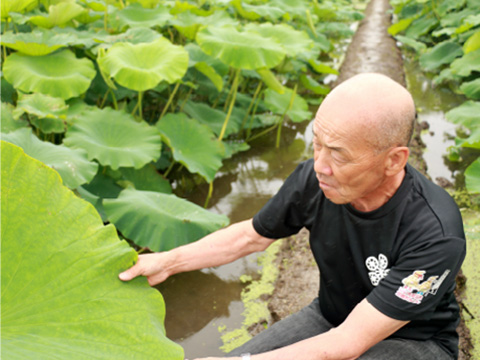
[{"x": 371, "y": 50}]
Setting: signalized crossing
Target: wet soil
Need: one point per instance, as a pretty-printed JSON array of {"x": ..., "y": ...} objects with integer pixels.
[{"x": 372, "y": 50}]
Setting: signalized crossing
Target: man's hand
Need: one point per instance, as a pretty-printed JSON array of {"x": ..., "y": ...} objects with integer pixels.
[{"x": 150, "y": 265}]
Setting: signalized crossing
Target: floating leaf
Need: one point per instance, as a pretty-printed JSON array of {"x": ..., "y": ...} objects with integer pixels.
[
  {"x": 241, "y": 50},
  {"x": 160, "y": 221},
  {"x": 142, "y": 66},
  {"x": 201, "y": 153},
  {"x": 8, "y": 122},
  {"x": 135, "y": 15},
  {"x": 471, "y": 89},
  {"x": 440, "y": 54},
  {"x": 466, "y": 64},
  {"x": 278, "y": 104},
  {"x": 58, "y": 15},
  {"x": 58, "y": 74},
  {"x": 465, "y": 114},
  {"x": 61, "y": 297},
  {"x": 472, "y": 177},
  {"x": 114, "y": 138},
  {"x": 72, "y": 164},
  {"x": 38, "y": 42}
]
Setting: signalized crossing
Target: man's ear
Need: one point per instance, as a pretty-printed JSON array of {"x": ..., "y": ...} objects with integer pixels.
[{"x": 396, "y": 160}]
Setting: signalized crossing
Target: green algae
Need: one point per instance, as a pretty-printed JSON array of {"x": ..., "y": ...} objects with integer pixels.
[
  {"x": 471, "y": 220},
  {"x": 256, "y": 310}
]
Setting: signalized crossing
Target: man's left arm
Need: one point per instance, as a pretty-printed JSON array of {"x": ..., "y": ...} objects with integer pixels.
[{"x": 362, "y": 329}]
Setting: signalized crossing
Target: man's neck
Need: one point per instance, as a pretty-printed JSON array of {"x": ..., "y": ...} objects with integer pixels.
[{"x": 381, "y": 196}]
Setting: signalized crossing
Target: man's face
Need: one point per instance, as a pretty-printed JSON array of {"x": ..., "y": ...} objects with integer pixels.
[{"x": 348, "y": 170}]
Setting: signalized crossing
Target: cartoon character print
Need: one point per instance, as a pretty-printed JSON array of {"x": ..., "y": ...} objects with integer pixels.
[
  {"x": 414, "y": 290},
  {"x": 378, "y": 268}
]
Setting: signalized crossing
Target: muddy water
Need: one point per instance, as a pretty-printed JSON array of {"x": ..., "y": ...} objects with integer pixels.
[{"x": 202, "y": 302}]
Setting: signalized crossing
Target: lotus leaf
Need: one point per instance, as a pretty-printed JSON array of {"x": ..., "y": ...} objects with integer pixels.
[
  {"x": 472, "y": 141},
  {"x": 135, "y": 15},
  {"x": 241, "y": 50},
  {"x": 188, "y": 23},
  {"x": 8, "y": 122},
  {"x": 472, "y": 177},
  {"x": 72, "y": 164},
  {"x": 271, "y": 80},
  {"x": 37, "y": 43},
  {"x": 146, "y": 178},
  {"x": 134, "y": 36},
  {"x": 472, "y": 43},
  {"x": 322, "y": 68},
  {"x": 201, "y": 153},
  {"x": 211, "y": 117},
  {"x": 421, "y": 26},
  {"x": 58, "y": 15},
  {"x": 313, "y": 85},
  {"x": 59, "y": 74},
  {"x": 160, "y": 221},
  {"x": 399, "y": 26},
  {"x": 210, "y": 73},
  {"x": 415, "y": 45},
  {"x": 114, "y": 138},
  {"x": 294, "y": 41},
  {"x": 471, "y": 89},
  {"x": 278, "y": 104},
  {"x": 292, "y": 8},
  {"x": 142, "y": 66},
  {"x": 466, "y": 64},
  {"x": 465, "y": 114},
  {"x": 61, "y": 297},
  {"x": 440, "y": 54},
  {"x": 254, "y": 12},
  {"x": 16, "y": 6}
]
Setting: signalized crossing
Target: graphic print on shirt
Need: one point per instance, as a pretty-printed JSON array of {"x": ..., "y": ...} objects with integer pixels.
[
  {"x": 378, "y": 268},
  {"x": 414, "y": 290}
]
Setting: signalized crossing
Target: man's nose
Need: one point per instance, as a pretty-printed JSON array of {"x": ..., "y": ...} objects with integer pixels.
[{"x": 322, "y": 163}]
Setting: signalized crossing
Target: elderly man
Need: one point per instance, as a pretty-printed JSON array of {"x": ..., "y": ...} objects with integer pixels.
[{"x": 387, "y": 241}]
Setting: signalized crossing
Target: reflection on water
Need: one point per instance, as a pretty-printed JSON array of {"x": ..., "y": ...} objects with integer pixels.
[{"x": 199, "y": 302}]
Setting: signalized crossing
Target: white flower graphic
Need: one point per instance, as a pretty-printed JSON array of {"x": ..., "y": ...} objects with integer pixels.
[{"x": 378, "y": 268}]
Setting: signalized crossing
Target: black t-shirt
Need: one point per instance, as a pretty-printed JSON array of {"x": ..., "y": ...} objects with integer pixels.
[{"x": 403, "y": 257}]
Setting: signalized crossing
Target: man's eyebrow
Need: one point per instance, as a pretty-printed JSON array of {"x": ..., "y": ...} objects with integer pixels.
[{"x": 334, "y": 148}]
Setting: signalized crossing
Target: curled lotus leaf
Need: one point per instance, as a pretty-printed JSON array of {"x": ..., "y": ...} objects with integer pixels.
[
  {"x": 58, "y": 15},
  {"x": 188, "y": 23},
  {"x": 201, "y": 153},
  {"x": 61, "y": 296},
  {"x": 8, "y": 122},
  {"x": 59, "y": 74},
  {"x": 38, "y": 42},
  {"x": 241, "y": 50},
  {"x": 160, "y": 221},
  {"x": 16, "y": 6},
  {"x": 72, "y": 164},
  {"x": 143, "y": 66},
  {"x": 114, "y": 138},
  {"x": 135, "y": 15}
]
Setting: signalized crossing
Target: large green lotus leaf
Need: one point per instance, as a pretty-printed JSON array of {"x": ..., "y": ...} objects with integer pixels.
[
  {"x": 471, "y": 89},
  {"x": 146, "y": 178},
  {"x": 472, "y": 43},
  {"x": 58, "y": 15},
  {"x": 278, "y": 104},
  {"x": 201, "y": 153},
  {"x": 142, "y": 66},
  {"x": 134, "y": 36},
  {"x": 61, "y": 297},
  {"x": 16, "y": 6},
  {"x": 37, "y": 43},
  {"x": 58, "y": 74},
  {"x": 188, "y": 23},
  {"x": 254, "y": 12},
  {"x": 292, "y": 8},
  {"x": 72, "y": 164},
  {"x": 466, "y": 64},
  {"x": 211, "y": 117},
  {"x": 8, "y": 122},
  {"x": 160, "y": 221},
  {"x": 114, "y": 138},
  {"x": 440, "y": 54},
  {"x": 472, "y": 177},
  {"x": 135, "y": 15},
  {"x": 465, "y": 114},
  {"x": 421, "y": 26},
  {"x": 294, "y": 41},
  {"x": 399, "y": 26},
  {"x": 241, "y": 50}
]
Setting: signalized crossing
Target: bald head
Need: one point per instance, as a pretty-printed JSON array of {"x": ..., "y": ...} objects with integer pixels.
[{"x": 378, "y": 108}]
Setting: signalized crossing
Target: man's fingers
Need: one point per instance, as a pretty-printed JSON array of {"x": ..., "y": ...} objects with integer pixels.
[{"x": 129, "y": 274}]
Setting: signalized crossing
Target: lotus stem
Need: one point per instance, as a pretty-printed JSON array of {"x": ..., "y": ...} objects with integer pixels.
[
  {"x": 185, "y": 100},
  {"x": 257, "y": 91},
  {"x": 169, "y": 169},
  {"x": 310, "y": 23},
  {"x": 290, "y": 104},
  {"x": 249, "y": 130},
  {"x": 209, "y": 195},
  {"x": 232, "y": 102},
  {"x": 266, "y": 131},
  {"x": 230, "y": 93},
  {"x": 139, "y": 104},
  {"x": 102, "y": 104},
  {"x": 169, "y": 101}
]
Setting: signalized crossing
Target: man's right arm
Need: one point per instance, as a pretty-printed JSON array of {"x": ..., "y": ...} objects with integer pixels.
[{"x": 218, "y": 248}]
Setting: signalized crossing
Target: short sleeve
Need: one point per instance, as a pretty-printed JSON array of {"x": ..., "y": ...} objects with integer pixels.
[
  {"x": 283, "y": 216},
  {"x": 419, "y": 279}
]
